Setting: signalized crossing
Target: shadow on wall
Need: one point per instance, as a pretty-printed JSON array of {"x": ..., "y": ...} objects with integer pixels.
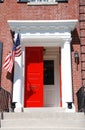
[
  {"x": 75, "y": 47},
  {"x": 9, "y": 76},
  {"x": 75, "y": 39},
  {"x": 5, "y": 99}
]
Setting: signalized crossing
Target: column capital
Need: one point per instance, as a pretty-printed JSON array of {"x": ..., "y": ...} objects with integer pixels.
[{"x": 67, "y": 40}]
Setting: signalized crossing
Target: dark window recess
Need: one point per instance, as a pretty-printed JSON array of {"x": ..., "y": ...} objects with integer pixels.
[
  {"x": 1, "y": 1},
  {"x": 23, "y": 1},
  {"x": 48, "y": 72},
  {"x": 61, "y": 0}
]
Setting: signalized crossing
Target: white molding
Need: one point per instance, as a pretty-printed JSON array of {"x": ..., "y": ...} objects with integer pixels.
[
  {"x": 42, "y": 26},
  {"x": 43, "y": 32},
  {"x": 42, "y": 3},
  {"x": 45, "y": 40}
]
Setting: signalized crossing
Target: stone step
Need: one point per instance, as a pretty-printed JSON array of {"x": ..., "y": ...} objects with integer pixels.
[
  {"x": 44, "y": 109},
  {"x": 56, "y": 115},
  {"x": 57, "y": 128},
  {"x": 43, "y": 122},
  {"x": 43, "y": 119}
]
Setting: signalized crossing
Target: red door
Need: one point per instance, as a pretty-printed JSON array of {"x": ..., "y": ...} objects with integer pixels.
[{"x": 33, "y": 77}]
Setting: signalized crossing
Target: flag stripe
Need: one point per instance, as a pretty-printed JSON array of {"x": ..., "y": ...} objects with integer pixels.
[
  {"x": 8, "y": 65},
  {"x": 16, "y": 52},
  {"x": 7, "y": 60}
]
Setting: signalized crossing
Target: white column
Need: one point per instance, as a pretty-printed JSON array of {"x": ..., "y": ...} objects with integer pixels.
[
  {"x": 17, "y": 86},
  {"x": 66, "y": 74}
]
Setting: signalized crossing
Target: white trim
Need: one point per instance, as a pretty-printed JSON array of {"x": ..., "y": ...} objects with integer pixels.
[
  {"x": 42, "y": 3},
  {"x": 66, "y": 74},
  {"x": 42, "y": 26},
  {"x": 45, "y": 40}
]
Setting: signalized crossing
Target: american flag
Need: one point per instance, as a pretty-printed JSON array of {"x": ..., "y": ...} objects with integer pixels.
[
  {"x": 17, "y": 47},
  {"x": 16, "y": 52},
  {"x": 9, "y": 61}
]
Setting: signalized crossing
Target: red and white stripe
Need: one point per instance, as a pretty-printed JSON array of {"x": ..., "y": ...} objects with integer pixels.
[{"x": 9, "y": 61}]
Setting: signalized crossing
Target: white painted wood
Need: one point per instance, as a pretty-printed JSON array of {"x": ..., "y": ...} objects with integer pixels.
[
  {"x": 52, "y": 92},
  {"x": 17, "y": 89},
  {"x": 42, "y": 26},
  {"x": 66, "y": 73}
]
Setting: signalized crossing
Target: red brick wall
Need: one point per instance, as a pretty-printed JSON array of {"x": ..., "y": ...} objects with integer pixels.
[
  {"x": 11, "y": 10},
  {"x": 76, "y": 69}
]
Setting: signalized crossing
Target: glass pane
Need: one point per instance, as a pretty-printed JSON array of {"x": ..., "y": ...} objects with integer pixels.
[{"x": 48, "y": 72}]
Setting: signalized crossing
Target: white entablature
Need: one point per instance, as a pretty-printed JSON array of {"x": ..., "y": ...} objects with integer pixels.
[
  {"x": 42, "y": 26},
  {"x": 43, "y": 32}
]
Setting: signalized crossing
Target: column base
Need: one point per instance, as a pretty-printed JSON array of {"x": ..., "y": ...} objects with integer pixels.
[
  {"x": 70, "y": 107},
  {"x": 18, "y": 107}
]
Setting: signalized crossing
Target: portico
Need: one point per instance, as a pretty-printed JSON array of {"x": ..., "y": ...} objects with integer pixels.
[{"x": 47, "y": 34}]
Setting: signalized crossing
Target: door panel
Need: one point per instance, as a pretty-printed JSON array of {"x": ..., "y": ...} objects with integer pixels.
[
  {"x": 33, "y": 77},
  {"x": 51, "y": 81}
]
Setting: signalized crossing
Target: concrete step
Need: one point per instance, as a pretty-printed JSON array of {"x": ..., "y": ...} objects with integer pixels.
[
  {"x": 44, "y": 115},
  {"x": 41, "y": 123},
  {"x": 44, "y": 109},
  {"x": 62, "y": 128},
  {"x": 43, "y": 119}
]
